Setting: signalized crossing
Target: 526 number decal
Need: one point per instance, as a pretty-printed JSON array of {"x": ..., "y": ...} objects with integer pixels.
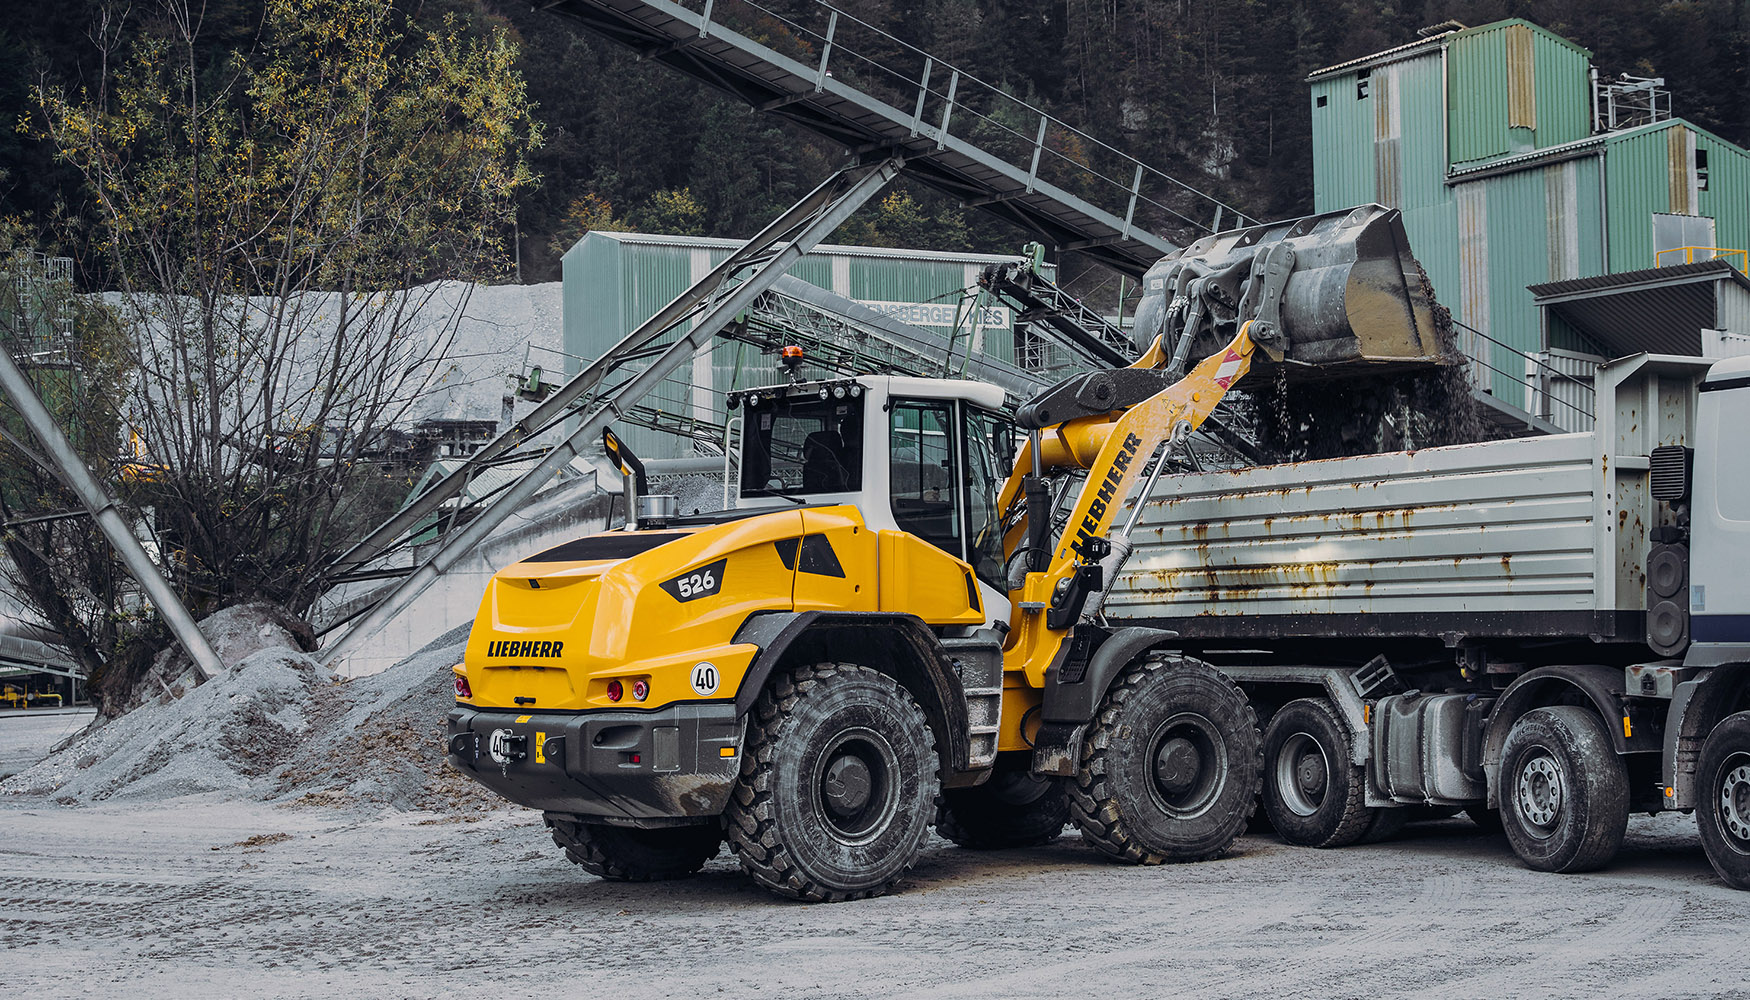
[{"x": 701, "y": 582}]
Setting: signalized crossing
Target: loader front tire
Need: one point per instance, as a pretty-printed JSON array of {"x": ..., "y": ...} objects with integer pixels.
[
  {"x": 1014, "y": 808},
  {"x": 620, "y": 854},
  {"x": 1170, "y": 767},
  {"x": 839, "y": 784}
]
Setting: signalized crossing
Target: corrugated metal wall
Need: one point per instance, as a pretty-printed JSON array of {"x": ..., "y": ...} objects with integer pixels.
[
  {"x": 1517, "y": 229},
  {"x": 1514, "y": 87},
  {"x": 1732, "y": 308},
  {"x": 1640, "y": 185},
  {"x": 1564, "y": 89},
  {"x": 1654, "y": 170},
  {"x": 1343, "y": 127},
  {"x": 1727, "y": 196},
  {"x": 614, "y": 281}
]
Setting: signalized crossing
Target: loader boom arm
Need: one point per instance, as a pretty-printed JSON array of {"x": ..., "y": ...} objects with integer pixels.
[{"x": 1115, "y": 446}]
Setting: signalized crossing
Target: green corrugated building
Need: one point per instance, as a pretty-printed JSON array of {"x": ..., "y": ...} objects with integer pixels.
[
  {"x": 1491, "y": 142},
  {"x": 614, "y": 281}
]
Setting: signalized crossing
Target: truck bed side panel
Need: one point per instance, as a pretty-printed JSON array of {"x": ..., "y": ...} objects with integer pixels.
[{"x": 1507, "y": 527}]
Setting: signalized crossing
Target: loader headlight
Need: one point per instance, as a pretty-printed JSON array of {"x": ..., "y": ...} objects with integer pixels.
[{"x": 838, "y": 392}]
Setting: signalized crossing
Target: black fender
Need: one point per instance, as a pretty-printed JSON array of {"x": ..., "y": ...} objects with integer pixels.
[
  {"x": 1075, "y": 683},
  {"x": 901, "y": 645},
  {"x": 1697, "y": 706},
  {"x": 1596, "y": 684}
]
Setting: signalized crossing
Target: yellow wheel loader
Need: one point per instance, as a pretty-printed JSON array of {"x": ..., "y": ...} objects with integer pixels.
[{"x": 897, "y": 623}]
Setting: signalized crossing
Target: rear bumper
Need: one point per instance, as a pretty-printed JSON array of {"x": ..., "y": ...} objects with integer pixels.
[{"x": 624, "y": 768}]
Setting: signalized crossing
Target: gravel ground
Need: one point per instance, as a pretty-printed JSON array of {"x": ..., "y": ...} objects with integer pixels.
[
  {"x": 274, "y": 833},
  {"x": 27, "y": 735},
  {"x": 212, "y": 896}
]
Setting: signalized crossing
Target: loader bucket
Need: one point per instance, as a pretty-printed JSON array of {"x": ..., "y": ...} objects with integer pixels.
[{"x": 1354, "y": 295}]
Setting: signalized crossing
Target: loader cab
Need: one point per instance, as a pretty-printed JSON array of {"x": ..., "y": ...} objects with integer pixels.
[{"x": 924, "y": 456}]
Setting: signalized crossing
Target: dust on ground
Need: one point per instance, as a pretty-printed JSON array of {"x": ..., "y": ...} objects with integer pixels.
[
  {"x": 211, "y": 896},
  {"x": 315, "y": 844}
]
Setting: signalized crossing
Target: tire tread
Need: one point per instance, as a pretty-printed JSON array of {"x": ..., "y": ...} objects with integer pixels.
[
  {"x": 1090, "y": 791},
  {"x": 750, "y": 825}
]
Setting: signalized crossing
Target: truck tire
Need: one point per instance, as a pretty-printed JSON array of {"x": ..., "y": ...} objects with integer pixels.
[
  {"x": 1564, "y": 791},
  {"x": 1014, "y": 808},
  {"x": 1722, "y": 808},
  {"x": 1169, "y": 769},
  {"x": 621, "y": 854},
  {"x": 1312, "y": 791},
  {"x": 838, "y": 786}
]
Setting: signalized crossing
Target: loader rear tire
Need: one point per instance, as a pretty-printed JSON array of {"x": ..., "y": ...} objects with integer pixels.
[
  {"x": 839, "y": 784},
  {"x": 620, "y": 854},
  {"x": 1169, "y": 769},
  {"x": 1014, "y": 808},
  {"x": 1312, "y": 789},
  {"x": 1564, "y": 790}
]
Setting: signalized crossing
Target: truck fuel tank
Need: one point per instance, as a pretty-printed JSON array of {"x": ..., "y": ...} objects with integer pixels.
[{"x": 1419, "y": 747}]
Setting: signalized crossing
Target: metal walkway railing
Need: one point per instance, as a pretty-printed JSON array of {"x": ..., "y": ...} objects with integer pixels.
[{"x": 852, "y": 83}]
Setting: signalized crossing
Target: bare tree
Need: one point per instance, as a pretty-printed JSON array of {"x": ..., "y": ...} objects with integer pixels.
[{"x": 275, "y": 227}]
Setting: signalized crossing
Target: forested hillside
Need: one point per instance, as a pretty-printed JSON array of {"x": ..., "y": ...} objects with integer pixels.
[{"x": 1211, "y": 92}]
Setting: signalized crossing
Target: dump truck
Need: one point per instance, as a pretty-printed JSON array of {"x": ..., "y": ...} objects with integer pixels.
[
  {"x": 897, "y": 622},
  {"x": 1547, "y": 632}
]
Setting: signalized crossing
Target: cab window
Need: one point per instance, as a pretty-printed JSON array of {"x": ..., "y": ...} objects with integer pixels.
[
  {"x": 802, "y": 445},
  {"x": 926, "y": 487},
  {"x": 990, "y": 450}
]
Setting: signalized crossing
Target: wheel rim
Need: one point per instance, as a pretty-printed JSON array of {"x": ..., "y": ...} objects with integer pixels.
[
  {"x": 1734, "y": 802},
  {"x": 1187, "y": 765},
  {"x": 1303, "y": 774},
  {"x": 1542, "y": 792},
  {"x": 855, "y": 784}
]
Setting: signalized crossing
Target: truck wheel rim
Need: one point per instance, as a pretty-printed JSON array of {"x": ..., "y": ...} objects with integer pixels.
[
  {"x": 1188, "y": 765},
  {"x": 1541, "y": 793},
  {"x": 1303, "y": 774},
  {"x": 856, "y": 786},
  {"x": 1735, "y": 802}
]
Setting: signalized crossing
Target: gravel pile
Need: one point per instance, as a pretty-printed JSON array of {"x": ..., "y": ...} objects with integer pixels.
[
  {"x": 274, "y": 727},
  {"x": 379, "y": 740}
]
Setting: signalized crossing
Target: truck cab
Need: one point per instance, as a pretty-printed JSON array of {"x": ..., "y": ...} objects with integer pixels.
[{"x": 1719, "y": 511}]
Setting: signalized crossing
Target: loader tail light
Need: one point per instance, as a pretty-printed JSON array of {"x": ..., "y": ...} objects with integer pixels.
[
  {"x": 616, "y": 691},
  {"x": 640, "y": 690},
  {"x": 463, "y": 691}
]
